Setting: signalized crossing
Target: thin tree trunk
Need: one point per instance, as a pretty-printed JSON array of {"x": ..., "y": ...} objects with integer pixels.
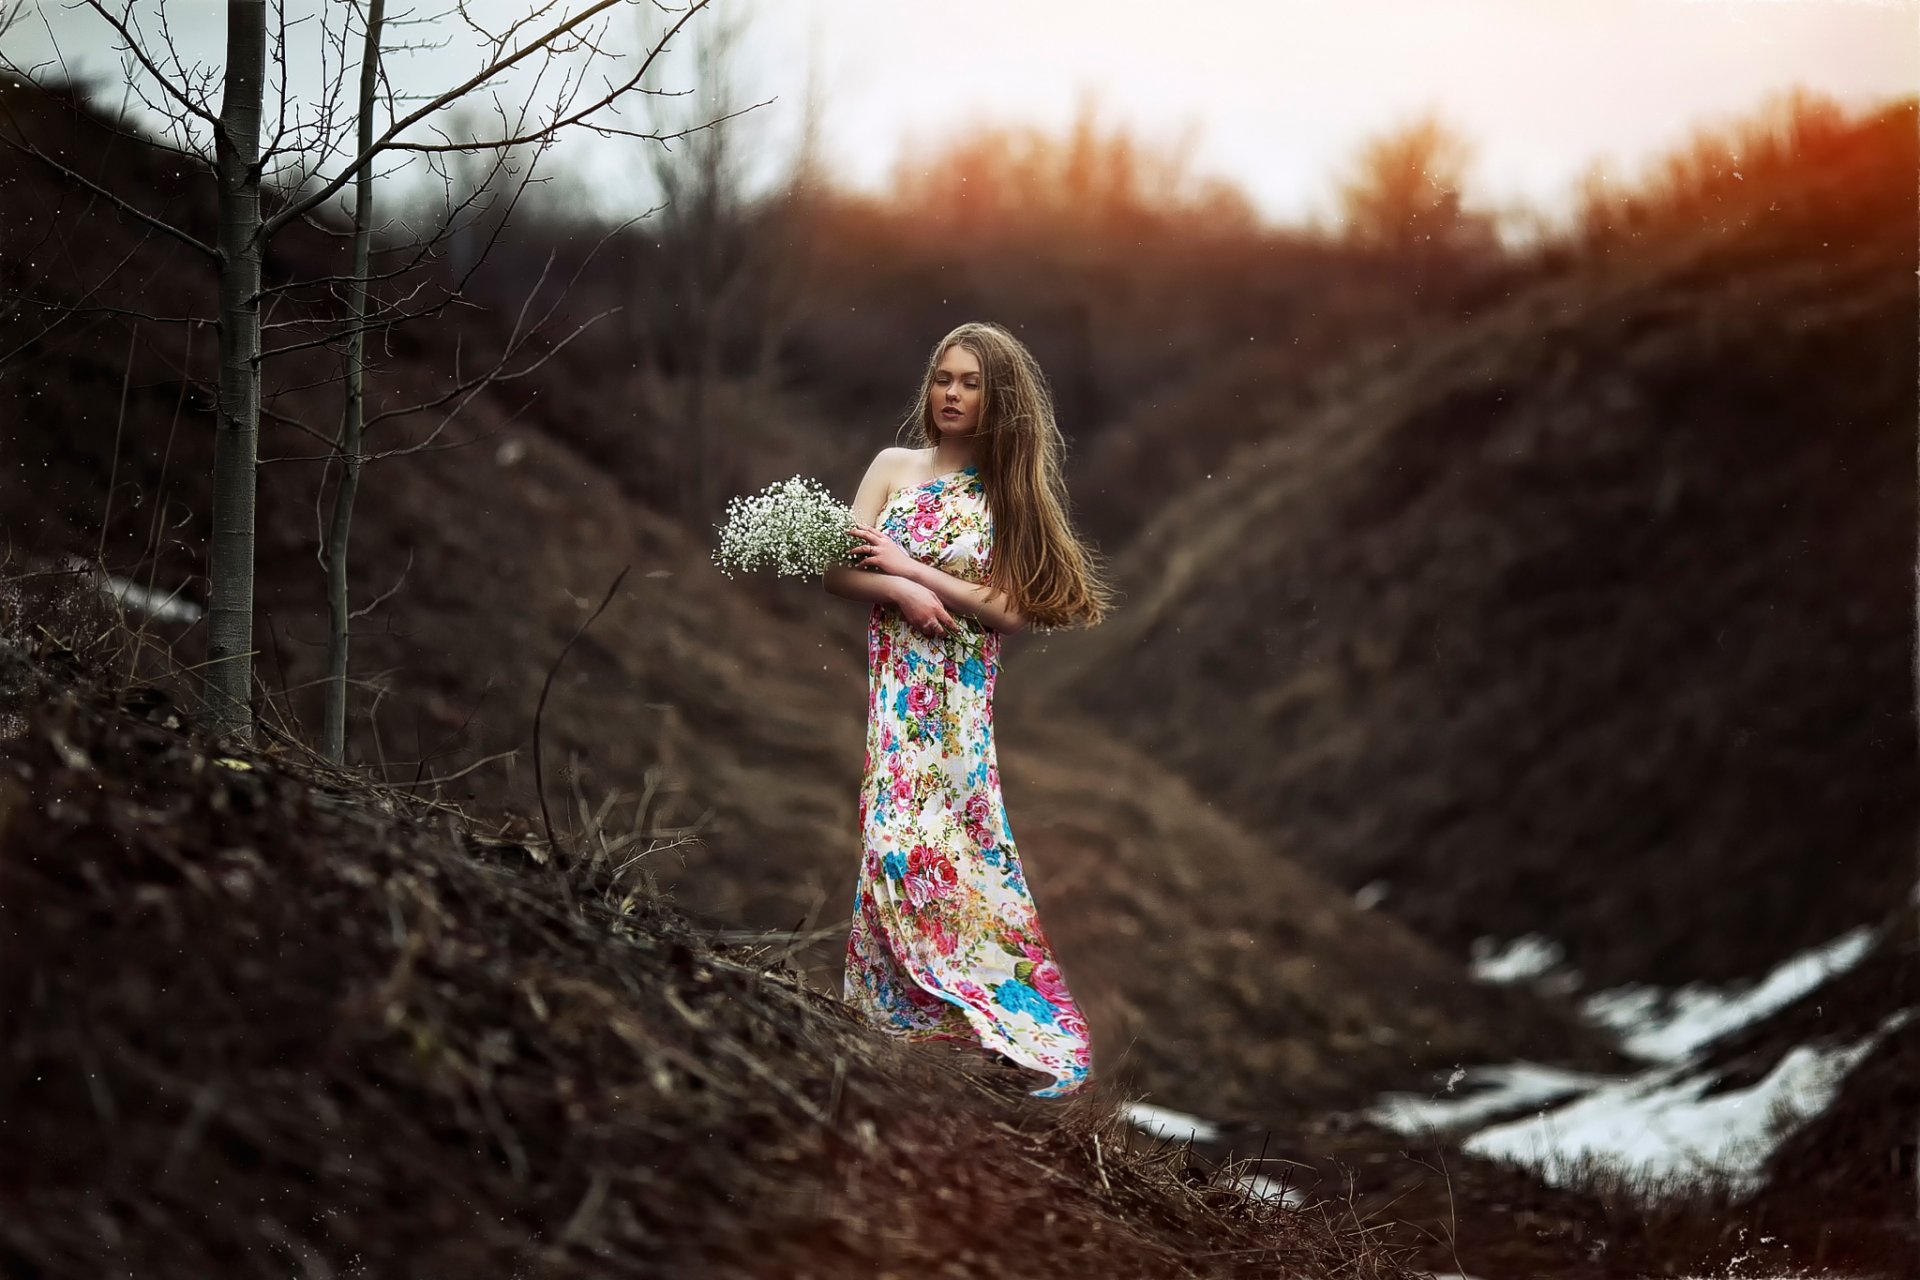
[
  {"x": 697, "y": 427},
  {"x": 338, "y": 617},
  {"x": 236, "y": 434}
]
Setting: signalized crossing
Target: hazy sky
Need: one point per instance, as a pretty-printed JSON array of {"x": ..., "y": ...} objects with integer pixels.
[{"x": 1278, "y": 94}]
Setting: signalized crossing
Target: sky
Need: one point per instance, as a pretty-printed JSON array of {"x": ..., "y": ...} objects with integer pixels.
[{"x": 1275, "y": 95}]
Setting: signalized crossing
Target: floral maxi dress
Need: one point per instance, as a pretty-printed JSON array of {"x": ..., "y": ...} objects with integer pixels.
[{"x": 945, "y": 943}]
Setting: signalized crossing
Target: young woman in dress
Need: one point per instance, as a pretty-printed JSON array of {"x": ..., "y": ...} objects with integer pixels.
[{"x": 963, "y": 540}]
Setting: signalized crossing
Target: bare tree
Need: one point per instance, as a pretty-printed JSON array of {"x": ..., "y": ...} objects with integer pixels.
[
  {"x": 703, "y": 276},
  {"x": 263, "y": 189},
  {"x": 1403, "y": 195},
  {"x": 339, "y": 528}
]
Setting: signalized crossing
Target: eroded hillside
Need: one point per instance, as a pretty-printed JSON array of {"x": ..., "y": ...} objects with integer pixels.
[{"x": 1591, "y": 617}]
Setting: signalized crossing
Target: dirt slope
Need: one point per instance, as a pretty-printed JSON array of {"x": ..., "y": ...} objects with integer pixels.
[
  {"x": 1591, "y": 617},
  {"x": 1215, "y": 973},
  {"x": 256, "y": 1022}
]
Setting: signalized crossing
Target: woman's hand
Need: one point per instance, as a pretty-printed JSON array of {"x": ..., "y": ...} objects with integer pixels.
[
  {"x": 923, "y": 609},
  {"x": 881, "y": 553}
]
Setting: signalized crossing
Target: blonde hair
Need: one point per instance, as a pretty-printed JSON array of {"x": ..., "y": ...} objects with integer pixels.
[{"x": 1038, "y": 561}]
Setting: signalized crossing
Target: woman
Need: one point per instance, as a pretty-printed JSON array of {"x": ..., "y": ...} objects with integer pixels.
[{"x": 962, "y": 541}]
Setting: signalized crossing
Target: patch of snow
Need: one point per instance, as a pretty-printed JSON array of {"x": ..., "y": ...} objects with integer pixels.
[
  {"x": 1669, "y": 1028},
  {"x": 1162, "y": 1123},
  {"x": 131, "y": 595},
  {"x": 167, "y": 608},
  {"x": 1370, "y": 895},
  {"x": 1659, "y": 1124},
  {"x": 1261, "y": 1187},
  {"x": 1529, "y": 956},
  {"x": 1492, "y": 1090}
]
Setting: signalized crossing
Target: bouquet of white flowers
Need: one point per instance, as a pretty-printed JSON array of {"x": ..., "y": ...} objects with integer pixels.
[{"x": 794, "y": 527}]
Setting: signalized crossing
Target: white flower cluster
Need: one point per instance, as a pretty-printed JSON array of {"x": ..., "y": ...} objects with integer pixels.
[{"x": 792, "y": 526}]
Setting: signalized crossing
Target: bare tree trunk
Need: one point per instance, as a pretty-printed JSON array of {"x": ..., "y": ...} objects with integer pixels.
[
  {"x": 339, "y": 619},
  {"x": 239, "y": 164},
  {"x": 236, "y": 435}
]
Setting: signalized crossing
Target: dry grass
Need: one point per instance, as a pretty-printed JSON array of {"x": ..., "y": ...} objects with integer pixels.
[{"x": 264, "y": 1018}]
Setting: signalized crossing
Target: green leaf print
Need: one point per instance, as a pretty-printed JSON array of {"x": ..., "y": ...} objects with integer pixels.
[
  {"x": 969, "y": 637},
  {"x": 1024, "y": 971}
]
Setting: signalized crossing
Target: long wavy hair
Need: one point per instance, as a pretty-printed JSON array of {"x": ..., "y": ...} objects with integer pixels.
[{"x": 1038, "y": 561}]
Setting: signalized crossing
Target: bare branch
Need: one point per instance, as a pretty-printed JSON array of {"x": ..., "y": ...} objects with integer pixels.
[
  {"x": 389, "y": 593},
  {"x": 139, "y": 52},
  {"x": 187, "y": 238},
  {"x": 387, "y": 141},
  {"x": 459, "y": 285},
  {"x": 602, "y": 130},
  {"x": 10, "y": 15}
]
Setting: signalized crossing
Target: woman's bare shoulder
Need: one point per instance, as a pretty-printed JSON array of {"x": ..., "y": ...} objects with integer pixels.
[{"x": 899, "y": 463}]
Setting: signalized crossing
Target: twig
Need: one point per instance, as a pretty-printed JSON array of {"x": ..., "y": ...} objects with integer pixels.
[{"x": 539, "y": 775}]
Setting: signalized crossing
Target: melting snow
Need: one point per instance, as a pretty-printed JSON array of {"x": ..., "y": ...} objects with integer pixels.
[
  {"x": 1163, "y": 1123},
  {"x": 1531, "y": 955},
  {"x": 1671, "y": 1029},
  {"x": 1262, "y": 1187},
  {"x": 131, "y": 595},
  {"x": 167, "y": 608},
  {"x": 1501, "y": 1088},
  {"x": 1660, "y": 1124}
]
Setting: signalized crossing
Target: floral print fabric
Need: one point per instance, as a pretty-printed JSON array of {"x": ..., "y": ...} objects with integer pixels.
[{"x": 946, "y": 944}]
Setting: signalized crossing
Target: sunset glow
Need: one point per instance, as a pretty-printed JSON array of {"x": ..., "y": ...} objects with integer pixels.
[
  {"x": 1275, "y": 97},
  {"x": 1282, "y": 93}
]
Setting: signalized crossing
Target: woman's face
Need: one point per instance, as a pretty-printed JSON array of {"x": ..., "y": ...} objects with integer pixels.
[{"x": 954, "y": 398}]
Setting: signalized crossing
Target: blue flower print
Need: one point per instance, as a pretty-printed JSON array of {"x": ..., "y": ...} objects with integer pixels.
[{"x": 1018, "y": 997}]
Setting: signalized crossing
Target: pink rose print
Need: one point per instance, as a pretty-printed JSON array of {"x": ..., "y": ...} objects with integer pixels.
[
  {"x": 1068, "y": 1019},
  {"x": 1047, "y": 981},
  {"x": 979, "y": 826},
  {"x": 922, "y": 698},
  {"x": 923, "y": 526},
  {"x": 929, "y": 875}
]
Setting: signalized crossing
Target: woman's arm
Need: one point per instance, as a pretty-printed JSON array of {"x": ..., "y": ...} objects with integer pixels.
[
  {"x": 968, "y": 597},
  {"x": 886, "y": 588},
  {"x": 864, "y": 584}
]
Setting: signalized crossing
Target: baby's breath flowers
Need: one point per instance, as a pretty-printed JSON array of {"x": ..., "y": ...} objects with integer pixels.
[{"x": 794, "y": 527}]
